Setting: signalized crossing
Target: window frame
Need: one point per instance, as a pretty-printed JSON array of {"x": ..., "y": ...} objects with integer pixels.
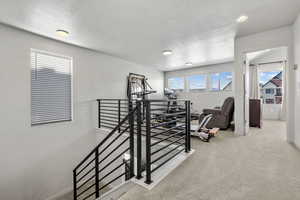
[
  {"x": 269, "y": 89},
  {"x": 208, "y": 76},
  {"x": 33, "y": 50}
]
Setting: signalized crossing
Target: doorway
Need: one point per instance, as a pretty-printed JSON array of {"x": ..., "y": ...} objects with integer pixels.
[
  {"x": 265, "y": 86},
  {"x": 271, "y": 82}
]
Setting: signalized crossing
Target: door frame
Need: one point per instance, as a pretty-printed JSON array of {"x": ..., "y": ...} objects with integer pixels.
[{"x": 246, "y": 92}]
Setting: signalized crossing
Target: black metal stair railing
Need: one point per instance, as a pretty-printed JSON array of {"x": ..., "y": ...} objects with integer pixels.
[
  {"x": 169, "y": 120},
  {"x": 111, "y": 112},
  {"x": 165, "y": 125},
  {"x": 106, "y": 164}
]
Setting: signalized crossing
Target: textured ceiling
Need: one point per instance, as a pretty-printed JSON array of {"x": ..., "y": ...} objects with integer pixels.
[{"x": 198, "y": 31}]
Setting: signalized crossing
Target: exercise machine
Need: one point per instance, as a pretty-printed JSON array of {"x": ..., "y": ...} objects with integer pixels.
[{"x": 138, "y": 88}]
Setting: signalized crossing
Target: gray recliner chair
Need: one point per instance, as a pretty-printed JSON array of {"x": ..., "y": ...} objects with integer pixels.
[{"x": 221, "y": 118}]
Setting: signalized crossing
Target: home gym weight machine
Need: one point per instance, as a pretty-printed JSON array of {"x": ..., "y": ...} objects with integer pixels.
[{"x": 138, "y": 88}]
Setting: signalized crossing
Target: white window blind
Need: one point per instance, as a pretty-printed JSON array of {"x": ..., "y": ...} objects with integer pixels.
[{"x": 51, "y": 88}]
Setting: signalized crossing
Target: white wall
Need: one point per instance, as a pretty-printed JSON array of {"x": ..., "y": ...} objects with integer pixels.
[
  {"x": 297, "y": 82},
  {"x": 37, "y": 162},
  {"x": 274, "y": 55},
  {"x": 281, "y": 37},
  {"x": 205, "y": 99}
]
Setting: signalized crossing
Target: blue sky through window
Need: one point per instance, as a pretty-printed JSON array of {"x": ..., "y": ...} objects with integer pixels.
[
  {"x": 215, "y": 83},
  {"x": 220, "y": 80},
  {"x": 225, "y": 79},
  {"x": 197, "y": 82},
  {"x": 264, "y": 77},
  {"x": 176, "y": 83}
]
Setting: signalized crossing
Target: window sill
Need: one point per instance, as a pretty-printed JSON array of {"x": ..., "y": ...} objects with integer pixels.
[
  {"x": 51, "y": 122},
  {"x": 206, "y": 91}
]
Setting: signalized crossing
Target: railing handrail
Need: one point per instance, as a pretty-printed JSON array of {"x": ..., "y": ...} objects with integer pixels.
[
  {"x": 149, "y": 100},
  {"x": 106, "y": 138},
  {"x": 164, "y": 100},
  {"x": 112, "y": 99}
]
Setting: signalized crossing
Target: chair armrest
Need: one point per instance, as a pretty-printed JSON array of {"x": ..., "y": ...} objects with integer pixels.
[{"x": 212, "y": 111}]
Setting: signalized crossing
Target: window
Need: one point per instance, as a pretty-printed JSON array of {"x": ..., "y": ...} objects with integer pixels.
[
  {"x": 176, "y": 83},
  {"x": 221, "y": 81},
  {"x": 270, "y": 91},
  {"x": 269, "y": 101},
  {"x": 267, "y": 77},
  {"x": 226, "y": 81},
  {"x": 271, "y": 85},
  {"x": 197, "y": 82},
  {"x": 278, "y": 100},
  {"x": 278, "y": 92},
  {"x": 51, "y": 93},
  {"x": 215, "y": 81}
]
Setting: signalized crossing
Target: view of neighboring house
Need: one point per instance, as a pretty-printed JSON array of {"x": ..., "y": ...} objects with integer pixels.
[
  {"x": 228, "y": 87},
  {"x": 271, "y": 91}
]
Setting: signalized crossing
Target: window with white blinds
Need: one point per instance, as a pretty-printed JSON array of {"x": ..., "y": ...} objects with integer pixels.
[{"x": 51, "y": 88}]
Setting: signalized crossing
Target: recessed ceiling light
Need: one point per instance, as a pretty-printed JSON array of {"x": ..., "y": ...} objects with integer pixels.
[
  {"x": 188, "y": 64},
  {"x": 62, "y": 33},
  {"x": 242, "y": 19},
  {"x": 167, "y": 52}
]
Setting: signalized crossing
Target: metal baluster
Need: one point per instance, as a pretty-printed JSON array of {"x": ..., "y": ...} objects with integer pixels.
[
  {"x": 97, "y": 173},
  {"x": 187, "y": 126},
  {"x": 131, "y": 139},
  {"x": 148, "y": 143},
  {"x": 119, "y": 113},
  {"x": 74, "y": 185},
  {"x": 99, "y": 113},
  {"x": 139, "y": 140}
]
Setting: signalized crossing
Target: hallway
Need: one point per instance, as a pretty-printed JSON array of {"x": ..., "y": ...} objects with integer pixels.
[{"x": 261, "y": 166}]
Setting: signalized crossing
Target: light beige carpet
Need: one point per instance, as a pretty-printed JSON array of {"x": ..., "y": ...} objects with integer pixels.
[
  {"x": 69, "y": 195},
  {"x": 261, "y": 166}
]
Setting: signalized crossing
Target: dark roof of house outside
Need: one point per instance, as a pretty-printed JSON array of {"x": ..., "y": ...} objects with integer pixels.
[{"x": 276, "y": 80}]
